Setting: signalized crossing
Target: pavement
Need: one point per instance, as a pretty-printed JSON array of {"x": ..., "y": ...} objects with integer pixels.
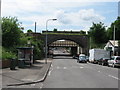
[{"x": 28, "y": 75}]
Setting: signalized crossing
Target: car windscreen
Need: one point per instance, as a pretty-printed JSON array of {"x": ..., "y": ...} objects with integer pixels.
[{"x": 82, "y": 57}]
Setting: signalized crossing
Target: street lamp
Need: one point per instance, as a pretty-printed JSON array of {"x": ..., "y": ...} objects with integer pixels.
[
  {"x": 114, "y": 40},
  {"x": 46, "y": 40}
]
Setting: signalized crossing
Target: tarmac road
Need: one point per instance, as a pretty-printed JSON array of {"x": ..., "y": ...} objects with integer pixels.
[{"x": 65, "y": 72}]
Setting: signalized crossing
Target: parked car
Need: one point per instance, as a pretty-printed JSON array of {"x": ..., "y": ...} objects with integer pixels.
[
  {"x": 82, "y": 58},
  {"x": 103, "y": 61},
  {"x": 114, "y": 61},
  {"x": 87, "y": 58}
]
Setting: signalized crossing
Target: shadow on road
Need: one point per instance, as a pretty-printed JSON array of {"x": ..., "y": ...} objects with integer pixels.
[{"x": 62, "y": 57}]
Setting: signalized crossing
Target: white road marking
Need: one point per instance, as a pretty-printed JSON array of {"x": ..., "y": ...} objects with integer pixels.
[
  {"x": 58, "y": 67},
  {"x": 41, "y": 86},
  {"x": 102, "y": 66},
  {"x": 81, "y": 67},
  {"x": 65, "y": 68},
  {"x": 99, "y": 71},
  {"x": 114, "y": 77},
  {"x": 51, "y": 65}
]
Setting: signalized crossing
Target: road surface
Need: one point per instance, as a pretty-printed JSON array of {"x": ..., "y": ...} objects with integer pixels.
[{"x": 65, "y": 72}]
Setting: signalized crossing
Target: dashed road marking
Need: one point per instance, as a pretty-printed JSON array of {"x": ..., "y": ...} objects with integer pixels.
[
  {"x": 81, "y": 67},
  {"x": 58, "y": 67},
  {"x": 114, "y": 77},
  {"x": 64, "y": 67},
  {"x": 99, "y": 71}
]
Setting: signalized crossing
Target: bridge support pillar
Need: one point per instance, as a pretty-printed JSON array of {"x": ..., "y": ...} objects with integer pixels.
[
  {"x": 78, "y": 50},
  {"x": 73, "y": 50},
  {"x": 81, "y": 50}
]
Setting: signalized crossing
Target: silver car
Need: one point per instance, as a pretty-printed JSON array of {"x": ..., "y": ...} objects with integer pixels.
[
  {"x": 114, "y": 61},
  {"x": 82, "y": 59}
]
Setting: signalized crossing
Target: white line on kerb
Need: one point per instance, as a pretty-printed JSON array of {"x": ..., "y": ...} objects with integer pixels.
[
  {"x": 50, "y": 72},
  {"x": 114, "y": 77},
  {"x": 32, "y": 84},
  {"x": 41, "y": 86}
]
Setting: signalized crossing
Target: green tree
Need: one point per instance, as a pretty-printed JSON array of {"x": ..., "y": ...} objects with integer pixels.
[
  {"x": 38, "y": 48},
  {"x": 110, "y": 30},
  {"x": 11, "y": 30},
  {"x": 82, "y": 32},
  {"x": 55, "y": 30},
  {"x": 29, "y": 31},
  {"x": 98, "y": 33}
]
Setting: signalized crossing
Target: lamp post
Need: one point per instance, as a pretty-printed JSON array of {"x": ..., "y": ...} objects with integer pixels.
[
  {"x": 46, "y": 40},
  {"x": 114, "y": 40}
]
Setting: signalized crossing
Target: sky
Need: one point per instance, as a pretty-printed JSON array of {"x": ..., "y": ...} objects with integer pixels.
[{"x": 72, "y": 15}]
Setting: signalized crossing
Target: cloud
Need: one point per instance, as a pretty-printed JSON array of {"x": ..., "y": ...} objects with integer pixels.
[
  {"x": 41, "y": 10},
  {"x": 81, "y": 0},
  {"x": 90, "y": 15},
  {"x": 63, "y": 17},
  {"x": 83, "y": 17}
]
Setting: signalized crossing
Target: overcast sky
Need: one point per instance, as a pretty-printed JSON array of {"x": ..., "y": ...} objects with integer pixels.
[{"x": 71, "y": 14}]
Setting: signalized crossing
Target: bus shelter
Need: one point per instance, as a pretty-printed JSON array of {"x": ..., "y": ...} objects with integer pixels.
[{"x": 25, "y": 56}]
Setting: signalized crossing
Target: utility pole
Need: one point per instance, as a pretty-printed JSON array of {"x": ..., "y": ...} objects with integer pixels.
[
  {"x": 90, "y": 42},
  {"x": 35, "y": 32},
  {"x": 114, "y": 40},
  {"x": 35, "y": 27}
]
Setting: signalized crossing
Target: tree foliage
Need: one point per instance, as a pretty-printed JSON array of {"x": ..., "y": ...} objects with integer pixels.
[
  {"x": 98, "y": 33},
  {"x": 29, "y": 31},
  {"x": 11, "y": 30},
  {"x": 110, "y": 30},
  {"x": 13, "y": 37},
  {"x": 55, "y": 30},
  {"x": 82, "y": 32}
]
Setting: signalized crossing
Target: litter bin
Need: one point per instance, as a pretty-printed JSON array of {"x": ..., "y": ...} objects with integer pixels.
[
  {"x": 21, "y": 64},
  {"x": 12, "y": 64}
]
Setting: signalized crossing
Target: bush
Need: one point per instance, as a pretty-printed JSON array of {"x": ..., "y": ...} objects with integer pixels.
[{"x": 7, "y": 55}]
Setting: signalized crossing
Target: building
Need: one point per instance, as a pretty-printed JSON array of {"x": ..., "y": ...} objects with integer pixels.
[{"x": 112, "y": 46}]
